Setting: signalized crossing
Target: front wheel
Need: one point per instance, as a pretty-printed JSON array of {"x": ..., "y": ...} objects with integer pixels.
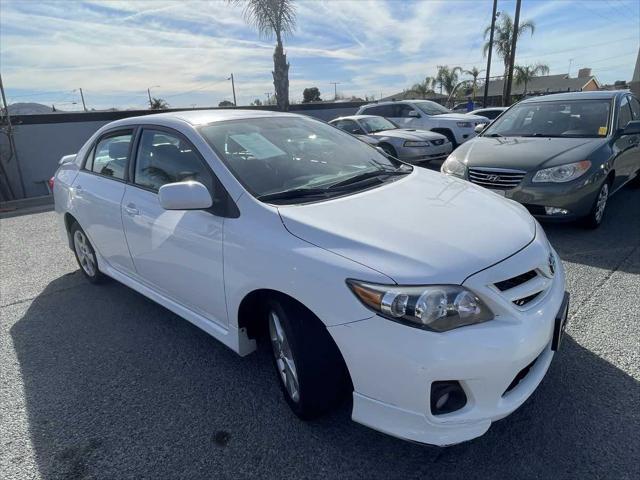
[
  {"x": 85, "y": 255},
  {"x": 595, "y": 216},
  {"x": 309, "y": 367}
]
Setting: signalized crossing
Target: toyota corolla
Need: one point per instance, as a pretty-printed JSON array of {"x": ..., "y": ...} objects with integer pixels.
[{"x": 434, "y": 304}]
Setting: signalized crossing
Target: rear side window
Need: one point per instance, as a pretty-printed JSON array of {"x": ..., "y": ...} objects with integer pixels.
[
  {"x": 167, "y": 158},
  {"x": 111, "y": 154},
  {"x": 380, "y": 110}
]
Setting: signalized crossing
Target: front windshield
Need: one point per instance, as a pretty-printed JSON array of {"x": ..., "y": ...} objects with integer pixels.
[
  {"x": 281, "y": 154},
  {"x": 573, "y": 118},
  {"x": 431, "y": 108},
  {"x": 377, "y": 124}
]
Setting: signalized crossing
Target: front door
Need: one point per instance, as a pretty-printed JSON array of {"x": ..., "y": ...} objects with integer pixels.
[
  {"x": 627, "y": 161},
  {"x": 176, "y": 252},
  {"x": 98, "y": 190}
]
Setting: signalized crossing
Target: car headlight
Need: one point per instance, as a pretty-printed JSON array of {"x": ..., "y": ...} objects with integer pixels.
[
  {"x": 435, "y": 307},
  {"x": 464, "y": 124},
  {"x": 562, "y": 173},
  {"x": 453, "y": 166},
  {"x": 411, "y": 143}
]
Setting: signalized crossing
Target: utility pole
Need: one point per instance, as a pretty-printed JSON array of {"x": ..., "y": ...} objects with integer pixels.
[
  {"x": 512, "y": 59},
  {"x": 12, "y": 146},
  {"x": 233, "y": 87},
  {"x": 149, "y": 93},
  {"x": 493, "y": 27},
  {"x": 84, "y": 106},
  {"x": 335, "y": 90}
]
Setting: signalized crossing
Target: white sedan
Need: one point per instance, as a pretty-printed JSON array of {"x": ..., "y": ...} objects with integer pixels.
[{"x": 434, "y": 303}]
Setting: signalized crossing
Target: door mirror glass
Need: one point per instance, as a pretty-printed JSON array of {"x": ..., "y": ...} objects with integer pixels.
[
  {"x": 632, "y": 128},
  {"x": 413, "y": 113},
  {"x": 479, "y": 128},
  {"x": 189, "y": 195}
]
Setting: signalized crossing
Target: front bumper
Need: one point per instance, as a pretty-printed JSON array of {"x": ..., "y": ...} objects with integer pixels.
[
  {"x": 392, "y": 366},
  {"x": 421, "y": 155}
]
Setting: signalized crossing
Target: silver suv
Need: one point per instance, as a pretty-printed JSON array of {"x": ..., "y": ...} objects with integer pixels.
[{"x": 427, "y": 115}]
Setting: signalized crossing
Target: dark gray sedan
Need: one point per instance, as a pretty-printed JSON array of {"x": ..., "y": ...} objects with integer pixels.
[
  {"x": 407, "y": 144},
  {"x": 562, "y": 156}
]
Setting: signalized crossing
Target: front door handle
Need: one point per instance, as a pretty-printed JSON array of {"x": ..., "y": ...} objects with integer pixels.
[{"x": 131, "y": 210}]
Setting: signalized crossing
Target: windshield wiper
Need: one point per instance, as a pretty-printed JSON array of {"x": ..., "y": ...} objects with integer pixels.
[
  {"x": 544, "y": 135},
  {"x": 367, "y": 176},
  {"x": 493, "y": 135},
  {"x": 293, "y": 193}
]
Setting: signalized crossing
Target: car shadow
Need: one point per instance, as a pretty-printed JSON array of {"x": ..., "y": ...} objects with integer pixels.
[{"x": 118, "y": 387}]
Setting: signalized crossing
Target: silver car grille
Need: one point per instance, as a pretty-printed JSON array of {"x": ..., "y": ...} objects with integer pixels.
[{"x": 496, "y": 178}]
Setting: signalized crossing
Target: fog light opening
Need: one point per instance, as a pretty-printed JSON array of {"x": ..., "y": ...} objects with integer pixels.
[
  {"x": 555, "y": 211},
  {"x": 446, "y": 397}
]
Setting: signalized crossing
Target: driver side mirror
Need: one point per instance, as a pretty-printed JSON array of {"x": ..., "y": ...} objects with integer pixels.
[
  {"x": 189, "y": 195},
  {"x": 632, "y": 128},
  {"x": 481, "y": 127},
  {"x": 414, "y": 114}
]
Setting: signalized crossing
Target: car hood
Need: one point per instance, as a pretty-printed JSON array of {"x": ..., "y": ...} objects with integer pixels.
[
  {"x": 526, "y": 153},
  {"x": 423, "y": 228},
  {"x": 409, "y": 134},
  {"x": 462, "y": 117}
]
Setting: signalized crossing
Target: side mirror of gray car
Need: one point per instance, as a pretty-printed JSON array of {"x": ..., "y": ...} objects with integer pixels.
[
  {"x": 414, "y": 114},
  {"x": 632, "y": 128},
  {"x": 480, "y": 128}
]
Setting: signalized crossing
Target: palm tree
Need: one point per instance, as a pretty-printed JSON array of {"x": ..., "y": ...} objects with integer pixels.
[
  {"x": 526, "y": 73},
  {"x": 447, "y": 78},
  {"x": 424, "y": 88},
  {"x": 475, "y": 73},
  {"x": 273, "y": 18},
  {"x": 158, "y": 104},
  {"x": 503, "y": 38}
]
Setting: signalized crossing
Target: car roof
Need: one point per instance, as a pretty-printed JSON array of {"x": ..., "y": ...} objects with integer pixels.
[
  {"x": 597, "y": 94},
  {"x": 202, "y": 117},
  {"x": 392, "y": 102}
]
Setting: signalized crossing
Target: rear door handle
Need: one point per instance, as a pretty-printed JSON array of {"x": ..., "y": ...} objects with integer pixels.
[{"x": 131, "y": 210}]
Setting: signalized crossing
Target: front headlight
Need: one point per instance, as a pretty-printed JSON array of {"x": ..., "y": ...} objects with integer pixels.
[
  {"x": 411, "y": 143},
  {"x": 464, "y": 124},
  {"x": 435, "y": 307},
  {"x": 562, "y": 173},
  {"x": 452, "y": 166}
]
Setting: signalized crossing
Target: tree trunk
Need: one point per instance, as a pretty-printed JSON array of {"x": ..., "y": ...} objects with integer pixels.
[{"x": 281, "y": 77}]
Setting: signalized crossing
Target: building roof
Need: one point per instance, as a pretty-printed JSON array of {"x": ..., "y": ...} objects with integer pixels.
[
  {"x": 543, "y": 84},
  {"x": 411, "y": 95}
]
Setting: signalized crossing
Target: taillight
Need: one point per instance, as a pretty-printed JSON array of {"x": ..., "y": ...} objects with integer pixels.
[{"x": 51, "y": 182}]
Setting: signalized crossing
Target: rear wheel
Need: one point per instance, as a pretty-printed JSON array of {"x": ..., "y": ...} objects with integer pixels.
[
  {"x": 595, "y": 216},
  {"x": 309, "y": 367},
  {"x": 85, "y": 255}
]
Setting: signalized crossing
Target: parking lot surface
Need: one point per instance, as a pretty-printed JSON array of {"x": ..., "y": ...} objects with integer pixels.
[{"x": 99, "y": 382}]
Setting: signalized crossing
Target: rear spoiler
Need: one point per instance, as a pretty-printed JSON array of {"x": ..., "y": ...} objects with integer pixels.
[{"x": 67, "y": 159}]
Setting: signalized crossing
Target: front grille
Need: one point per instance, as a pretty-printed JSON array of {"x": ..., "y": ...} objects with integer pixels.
[
  {"x": 438, "y": 142},
  {"x": 515, "y": 281},
  {"x": 496, "y": 179}
]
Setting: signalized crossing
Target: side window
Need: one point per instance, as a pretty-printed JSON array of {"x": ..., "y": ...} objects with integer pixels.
[
  {"x": 352, "y": 127},
  {"x": 380, "y": 110},
  {"x": 111, "y": 154},
  {"x": 166, "y": 158},
  {"x": 402, "y": 110},
  {"x": 635, "y": 107},
  {"x": 624, "y": 113}
]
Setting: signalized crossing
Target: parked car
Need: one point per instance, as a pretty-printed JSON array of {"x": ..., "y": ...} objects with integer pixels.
[
  {"x": 407, "y": 144},
  {"x": 490, "y": 112},
  {"x": 261, "y": 225},
  {"x": 461, "y": 107},
  {"x": 562, "y": 156},
  {"x": 427, "y": 115}
]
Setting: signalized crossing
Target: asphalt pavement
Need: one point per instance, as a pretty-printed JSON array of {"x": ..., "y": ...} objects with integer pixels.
[{"x": 99, "y": 382}]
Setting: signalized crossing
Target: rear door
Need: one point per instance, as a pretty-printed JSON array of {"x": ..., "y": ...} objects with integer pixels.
[
  {"x": 176, "y": 252},
  {"x": 97, "y": 192}
]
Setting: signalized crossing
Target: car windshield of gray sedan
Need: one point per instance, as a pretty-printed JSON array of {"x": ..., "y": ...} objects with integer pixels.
[
  {"x": 576, "y": 118},
  {"x": 377, "y": 124},
  {"x": 432, "y": 108},
  {"x": 288, "y": 159}
]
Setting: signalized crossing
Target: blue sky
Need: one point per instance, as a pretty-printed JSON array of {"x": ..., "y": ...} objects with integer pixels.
[{"x": 186, "y": 50}]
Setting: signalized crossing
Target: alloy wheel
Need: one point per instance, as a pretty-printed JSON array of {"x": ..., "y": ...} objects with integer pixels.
[
  {"x": 601, "y": 202},
  {"x": 84, "y": 253},
  {"x": 284, "y": 357}
]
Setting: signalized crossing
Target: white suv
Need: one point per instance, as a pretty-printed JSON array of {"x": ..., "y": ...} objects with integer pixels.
[
  {"x": 427, "y": 115},
  {"x": 349, "y": 265}
]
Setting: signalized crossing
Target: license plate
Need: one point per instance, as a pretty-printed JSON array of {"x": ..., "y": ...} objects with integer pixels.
[{"x": 560, "y": 323}]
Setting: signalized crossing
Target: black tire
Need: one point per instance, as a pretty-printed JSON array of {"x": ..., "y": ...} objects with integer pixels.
[
  {"x": 321, "y": 374},
  {"x": 451, "y": 138},
  {"x": 594, "y": 219},
  {"x": 86, "y": 259},
  {"x": 389, "y": 150}
]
